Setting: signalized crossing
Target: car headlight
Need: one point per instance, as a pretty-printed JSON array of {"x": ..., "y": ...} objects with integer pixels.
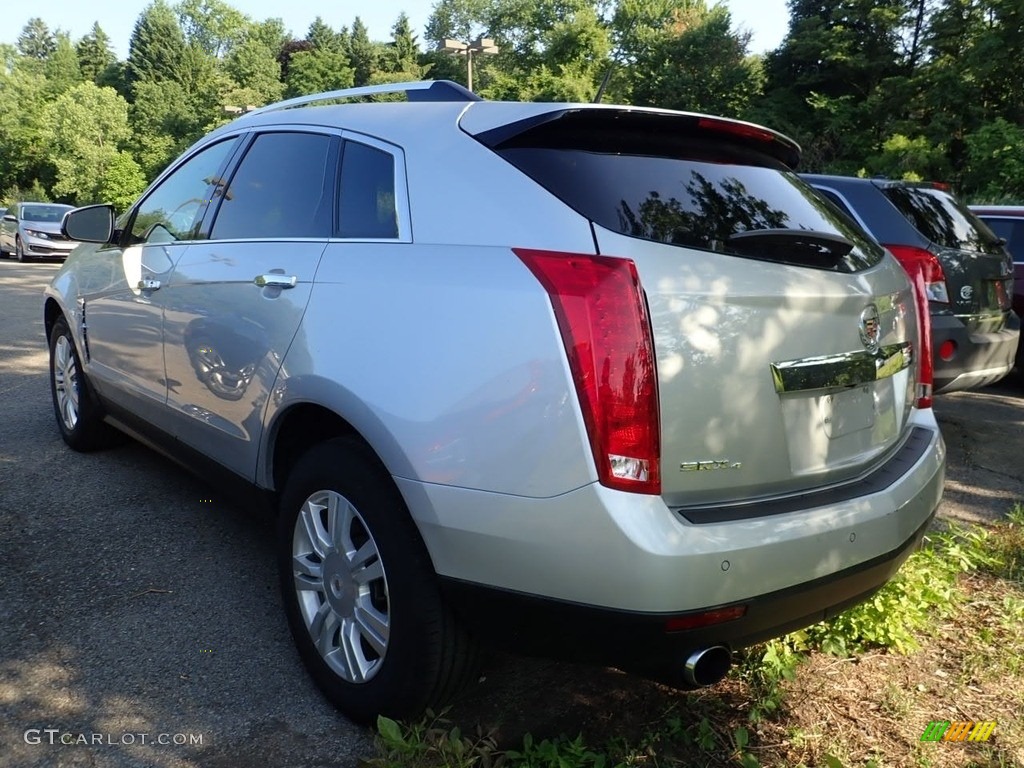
[{"x": 37, "y": 233}]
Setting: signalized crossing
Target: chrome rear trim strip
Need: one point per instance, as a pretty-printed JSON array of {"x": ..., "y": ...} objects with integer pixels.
[{"x": 850, "y": 369}]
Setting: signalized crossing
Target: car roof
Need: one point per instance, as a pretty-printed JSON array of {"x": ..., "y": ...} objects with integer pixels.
[{"x": 998, "y": 210}]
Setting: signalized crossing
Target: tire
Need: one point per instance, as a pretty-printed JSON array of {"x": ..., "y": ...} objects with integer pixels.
[
  {"x": 367, "y": 616},
  {"x": 20, "y": 251},
  {"x": 79, "y": 416}
]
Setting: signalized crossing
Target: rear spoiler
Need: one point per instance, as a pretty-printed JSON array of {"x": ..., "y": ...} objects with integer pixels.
[{"x": 652, "y": 131}]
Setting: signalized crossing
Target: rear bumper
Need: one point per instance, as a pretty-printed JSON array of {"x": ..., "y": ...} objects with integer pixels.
[
  {"x": 595, "y": 563},
  {"x": 979, "y": 359},
  {"x": 638, "y": 642}
]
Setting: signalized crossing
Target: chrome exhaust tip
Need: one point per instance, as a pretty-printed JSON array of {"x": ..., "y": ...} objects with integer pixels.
[{"x": 707, "y": 666}]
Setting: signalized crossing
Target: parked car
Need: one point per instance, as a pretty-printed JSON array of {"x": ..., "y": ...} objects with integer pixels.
[
  {"x": 1007, "y": 222},
  {"x": 967, "y": 273},
  {"x": 583, "y": 379},
  {"x": 32, "y": 230}
]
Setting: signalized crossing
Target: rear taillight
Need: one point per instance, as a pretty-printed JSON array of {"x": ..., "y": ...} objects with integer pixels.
[
  {"x": 928, "y": 265},
  {"x": 922, "y": 266},
  {"x": 602, "y": 316}
]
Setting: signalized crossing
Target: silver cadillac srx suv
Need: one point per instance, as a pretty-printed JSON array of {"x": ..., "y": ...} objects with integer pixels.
[{"x": 595, "y": 381}]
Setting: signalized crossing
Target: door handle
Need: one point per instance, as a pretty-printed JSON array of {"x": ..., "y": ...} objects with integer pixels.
[
  {"x": 148, "y": 284},
  {"x": 276, "y": 281}
]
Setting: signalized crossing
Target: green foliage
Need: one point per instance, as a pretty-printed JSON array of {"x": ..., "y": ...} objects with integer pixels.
[
  {"x": 1006, "y": 548},
  {"x": 364, "y": 55},
  {"x": 157, "y": 47},
  {"x": 557, "y": 753},
  {"x": 61, "y": 69},
  {"x": 95, "y": 56},
  {"x": 86, "y": 127},
  {"x": 699, "y": 64},
  {"x": 253, "y": 68},
  {"x": 911, "y": 159},
  {"x": 923, "y": 591},
  {"x": 36, "y": 40},
  {"x": 765, "y": 668},
  {"x": 320, "y": 69},
  {"x": 214, "y": 26},
  {"x": 995, "y": 160},
  {"x": 430, "y": 742}
]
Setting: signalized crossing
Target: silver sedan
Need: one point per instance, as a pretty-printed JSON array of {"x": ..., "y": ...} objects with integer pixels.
[{"x": 32, "y": 231}]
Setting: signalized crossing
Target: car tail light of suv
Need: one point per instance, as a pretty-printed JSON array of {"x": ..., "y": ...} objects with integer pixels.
[
  {"x": 929, "y": 285},
  {"x": 925, "y": 262},
  {"x": 602, "y": 316}
]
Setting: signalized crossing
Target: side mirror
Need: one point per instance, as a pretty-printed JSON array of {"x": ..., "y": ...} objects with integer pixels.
[
  {"x": 10, "y": 217},
  {"x": 91, "y": 224}
]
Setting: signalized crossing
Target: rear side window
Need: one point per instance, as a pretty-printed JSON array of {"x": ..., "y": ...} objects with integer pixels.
[
  {"x": 941, "y": 218},
  {"x": 367, "y": 201},
  {"x": 699, "y": 199}
]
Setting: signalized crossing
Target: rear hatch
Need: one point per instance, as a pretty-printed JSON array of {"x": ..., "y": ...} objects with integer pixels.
[
  {"x": 783, "y": 335},
  {"x": 978, "y": 270}
]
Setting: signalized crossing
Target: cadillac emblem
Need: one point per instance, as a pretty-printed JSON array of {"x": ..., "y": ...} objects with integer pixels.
[{"x": 870, "y": 328}]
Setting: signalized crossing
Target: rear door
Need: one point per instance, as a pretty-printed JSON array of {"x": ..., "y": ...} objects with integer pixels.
[
  {"x": 783, "y": 334},
  {"x": 235, "y": 300}
]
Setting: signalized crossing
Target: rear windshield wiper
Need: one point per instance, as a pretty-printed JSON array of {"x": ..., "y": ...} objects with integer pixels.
[{"x": 803, "y": 247}]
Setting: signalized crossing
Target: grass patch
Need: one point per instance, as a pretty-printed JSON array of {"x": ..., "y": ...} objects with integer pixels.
[{"x": 944, "y": 640}]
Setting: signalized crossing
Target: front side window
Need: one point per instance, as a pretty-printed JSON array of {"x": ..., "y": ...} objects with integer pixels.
[
  {"x": 367, "y": 201},
  {"x": 282, "y": 189},
  {"x": 174, "y": 210}
]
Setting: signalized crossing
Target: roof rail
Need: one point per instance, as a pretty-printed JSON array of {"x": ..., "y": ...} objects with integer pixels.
[{"x": 420, "y": 90}]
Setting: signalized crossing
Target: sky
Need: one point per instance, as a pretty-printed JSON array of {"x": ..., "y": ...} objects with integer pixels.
[{"x": 766, "y": 19}]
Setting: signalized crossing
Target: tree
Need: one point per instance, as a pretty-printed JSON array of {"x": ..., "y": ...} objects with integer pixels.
[
  {"x": 24, "y": 160},
  {"x": 213, "y": 26},
  {"x": 35, "y": 40},
  {"x": 61, "y": 68},
  {"x": 318, "y": 70},
  {"x": 254, "y": 68},
  {"x": 85, "y": 127},
  {"x": 832, "y": 82},
  {"x": 323, "y": 37},
  {"x": 363, "y": 53},
  {"x": 95, "y": 56},
  {"x": 161, "y": 123},
  {"x": 699, "y": 64},
  {"x": 399, "y": 61},
  {"x": 157, "y": 46}
]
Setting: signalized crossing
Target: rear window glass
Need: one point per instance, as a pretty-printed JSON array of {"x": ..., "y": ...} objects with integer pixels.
[
  {"x": 698, "y": 201},
  {"x": 941, "y": 218}
]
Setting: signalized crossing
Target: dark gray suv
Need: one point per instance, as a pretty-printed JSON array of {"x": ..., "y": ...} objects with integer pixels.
[{"x": 966, "y": 272}]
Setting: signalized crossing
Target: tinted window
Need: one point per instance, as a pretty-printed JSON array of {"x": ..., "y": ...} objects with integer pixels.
[
  {"x": 174, "y": 210},
  {"x": 279, "y": 190},
  {"x": 367, "y": 200},
  {"x": 941, "y": 218},
  {"x": 1012, "y": 231},
  {"x": 699, "y": 200}
]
